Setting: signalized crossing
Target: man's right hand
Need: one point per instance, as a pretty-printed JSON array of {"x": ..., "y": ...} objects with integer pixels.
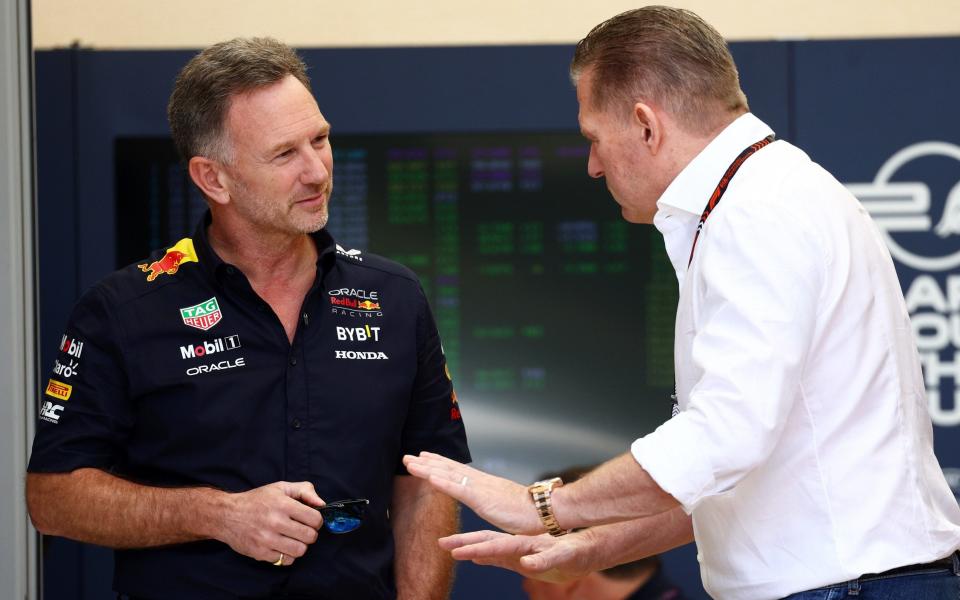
[{"x": 264, "y": 522}]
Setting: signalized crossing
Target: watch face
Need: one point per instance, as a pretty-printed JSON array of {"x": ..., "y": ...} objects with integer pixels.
[{"x": 545, "y": 484}]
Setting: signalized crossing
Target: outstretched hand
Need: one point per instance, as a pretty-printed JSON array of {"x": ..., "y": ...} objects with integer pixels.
[
  {"x": 500, "y": 501},
  {"x": 544, "y": 557}
]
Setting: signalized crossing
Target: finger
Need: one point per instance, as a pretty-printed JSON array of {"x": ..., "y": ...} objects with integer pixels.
[
  {"x": 464, "y": 539},
  {"x": 508, "y": 563},
  {"x": 290, "y": 548},
  {"x": 540, "y": 562},
  {"x": 453, "y": 489},
  {"x": 424, "y": 467},
  {"x": 499, "y": 547},
  {"x": 304, "y": 492},
  {"x": 454, "y": 470},
  {"x": 307, "y": 515},
  {"x": 435, "y": 464},
  {"x": 416, "y": 468},
  {"x": 300, "y": 532},
  {"x": 294, "y": 548}
]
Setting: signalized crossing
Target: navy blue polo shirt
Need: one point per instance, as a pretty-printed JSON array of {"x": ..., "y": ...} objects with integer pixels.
[{"x": 173, "y": 372}]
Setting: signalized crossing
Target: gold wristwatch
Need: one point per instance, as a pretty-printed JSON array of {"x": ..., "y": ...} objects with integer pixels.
[{"x": 541, "y": 491}]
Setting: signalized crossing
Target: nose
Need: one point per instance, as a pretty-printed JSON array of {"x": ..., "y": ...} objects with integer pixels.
[
  {"x": 594, "y": 168},
  {"x": 314, "y": 166}
]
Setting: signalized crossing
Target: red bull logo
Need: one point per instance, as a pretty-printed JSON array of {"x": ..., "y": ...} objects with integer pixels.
[
  {"x": 355, "y": 302},
  {"x": 169, "y": 264},
  {"x": 455, "y": 409}
]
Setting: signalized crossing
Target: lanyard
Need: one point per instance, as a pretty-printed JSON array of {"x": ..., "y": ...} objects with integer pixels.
[
  {"x": 711, "y": 204},
  {"x": 722, "y": 187}
]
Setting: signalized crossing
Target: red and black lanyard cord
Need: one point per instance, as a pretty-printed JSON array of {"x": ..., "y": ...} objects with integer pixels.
[
  {"x": 711, "y": 204},
  {"x": 722, "y": 186}
]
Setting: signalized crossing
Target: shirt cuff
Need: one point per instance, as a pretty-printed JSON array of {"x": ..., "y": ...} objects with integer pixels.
[{"x": 672, "y": 458}]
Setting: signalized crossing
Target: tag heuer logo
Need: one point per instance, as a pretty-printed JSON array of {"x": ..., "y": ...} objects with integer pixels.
[{"x": 202, "y": 316}]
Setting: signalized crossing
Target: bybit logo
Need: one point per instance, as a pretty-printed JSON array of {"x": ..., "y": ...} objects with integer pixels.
[{"x": 358, "y": 334}]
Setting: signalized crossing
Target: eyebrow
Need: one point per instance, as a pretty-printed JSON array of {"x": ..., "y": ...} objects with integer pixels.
[{"x": 284, "y": 145}]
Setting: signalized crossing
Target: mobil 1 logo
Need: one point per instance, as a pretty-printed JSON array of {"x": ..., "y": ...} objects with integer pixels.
[{"x": 208, "y": 347}]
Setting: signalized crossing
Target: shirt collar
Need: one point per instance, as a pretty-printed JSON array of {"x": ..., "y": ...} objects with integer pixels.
[
  {"x": 680, "y": 206},
  {"x": 213, "y": 265}
]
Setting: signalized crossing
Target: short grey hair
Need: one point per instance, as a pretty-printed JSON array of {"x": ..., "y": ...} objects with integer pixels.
[
  {"x": 206, "y": 85},
  {"x": 663, "y": 55}
]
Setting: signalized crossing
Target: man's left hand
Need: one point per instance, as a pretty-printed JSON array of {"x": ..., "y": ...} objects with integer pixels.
[
  {"x": 504, "y": 503},
  {"x": 544, "y": 557}
]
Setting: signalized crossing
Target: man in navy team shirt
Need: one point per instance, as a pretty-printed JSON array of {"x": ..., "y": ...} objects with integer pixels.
[{"x": 206, "y": 402}]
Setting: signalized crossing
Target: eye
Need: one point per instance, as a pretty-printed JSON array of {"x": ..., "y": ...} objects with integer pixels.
[
  {"x": 320, "y": 140},
  {"x": 285, "y": 153}
]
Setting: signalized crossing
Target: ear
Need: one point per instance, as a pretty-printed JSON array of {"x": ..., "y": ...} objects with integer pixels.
[
  {"x": 650, "y": 122},
  {"x": 210, "y": 177}
]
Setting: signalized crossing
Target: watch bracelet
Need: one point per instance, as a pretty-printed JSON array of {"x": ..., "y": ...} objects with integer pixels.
[{"x": 541, "y": 501}]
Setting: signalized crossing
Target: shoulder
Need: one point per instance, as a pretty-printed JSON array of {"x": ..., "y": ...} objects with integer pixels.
[
  {"x": 782, "y": 182},
  {"x": 145, "y": 279},
  {"x": 373, "y": 266}
]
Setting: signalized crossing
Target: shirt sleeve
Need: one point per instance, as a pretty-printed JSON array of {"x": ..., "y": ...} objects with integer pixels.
[
  {"x": 434, "y": 423},
  {"x": 85, "y": 413},
  {"x": 754, "y": 307}
]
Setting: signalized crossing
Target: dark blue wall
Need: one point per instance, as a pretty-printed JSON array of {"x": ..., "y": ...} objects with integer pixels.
[{"x": 851, "y": 105}]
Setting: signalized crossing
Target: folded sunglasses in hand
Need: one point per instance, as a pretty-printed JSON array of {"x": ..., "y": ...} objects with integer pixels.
[{"x": 343, "y": 516}]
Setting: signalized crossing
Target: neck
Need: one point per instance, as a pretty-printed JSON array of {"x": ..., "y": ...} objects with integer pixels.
[
  {"x": 689, "y": 145},
  {"x": 262, "y": 256}
]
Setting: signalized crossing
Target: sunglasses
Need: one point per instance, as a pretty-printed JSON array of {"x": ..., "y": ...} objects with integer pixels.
[{"x": 343, "y": 516}]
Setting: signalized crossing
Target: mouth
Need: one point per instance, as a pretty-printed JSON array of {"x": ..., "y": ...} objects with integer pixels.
[{"x": 313, "y": 201}]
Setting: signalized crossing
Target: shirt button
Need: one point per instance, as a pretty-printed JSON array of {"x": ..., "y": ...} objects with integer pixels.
[
  {"x": 230, "y": 270},
  {"x": 293, "y": 361},
  {"x": 296, "y": 423}
]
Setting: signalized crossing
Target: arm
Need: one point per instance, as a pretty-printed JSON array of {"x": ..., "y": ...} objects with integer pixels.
[
  {"x": 574, "y": 555},
  {"x": 420, "y": 515},
  {"x": 93, "y": 506},
  {"x": 760, "y": 294},
  {"x": 618, "y": 490}
]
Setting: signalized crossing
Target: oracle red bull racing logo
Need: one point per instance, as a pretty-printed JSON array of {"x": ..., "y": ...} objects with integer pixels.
[
  {"x": 353, "y": 302},
  {"x": 169, "y": 264}
]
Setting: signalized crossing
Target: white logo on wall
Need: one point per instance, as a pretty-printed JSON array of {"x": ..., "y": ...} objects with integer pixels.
[{"x": 904, "y": 213}]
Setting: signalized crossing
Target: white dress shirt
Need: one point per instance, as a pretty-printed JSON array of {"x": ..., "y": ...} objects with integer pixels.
[{"x": 803, "y": 449}]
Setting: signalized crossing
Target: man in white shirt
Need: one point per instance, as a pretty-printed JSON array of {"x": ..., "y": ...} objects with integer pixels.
[{"x": 800, "y": 457}]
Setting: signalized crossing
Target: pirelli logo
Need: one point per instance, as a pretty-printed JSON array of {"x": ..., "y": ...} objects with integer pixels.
[{"x": 59, "y": 390}]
